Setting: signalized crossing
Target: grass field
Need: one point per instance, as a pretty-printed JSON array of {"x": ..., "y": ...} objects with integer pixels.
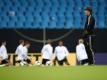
[{"x": 54, "y": 73}]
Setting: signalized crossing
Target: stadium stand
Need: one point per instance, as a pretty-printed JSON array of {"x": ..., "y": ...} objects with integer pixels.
[{"x": 50, "y": 13}]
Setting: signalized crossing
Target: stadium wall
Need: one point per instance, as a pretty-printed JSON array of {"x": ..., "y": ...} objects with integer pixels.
[{"x": 70, "y": 38}]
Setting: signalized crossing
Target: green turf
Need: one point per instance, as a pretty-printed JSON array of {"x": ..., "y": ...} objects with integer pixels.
[{"x": 54, "y": 73}]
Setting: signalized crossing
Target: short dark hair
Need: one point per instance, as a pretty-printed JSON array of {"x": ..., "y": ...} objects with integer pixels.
[
  {"x": 27, "y": 42},
  {"x": 49, "y": 41},
  {"x": 88, "y": 9},
  {"x": 61, "y": 41},
  {"x": 3, "y": 41},
  {"x": 21, "y": 41}
]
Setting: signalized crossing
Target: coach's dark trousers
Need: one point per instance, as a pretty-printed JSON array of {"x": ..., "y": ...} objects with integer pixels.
[{"x": 88, "y": 42}]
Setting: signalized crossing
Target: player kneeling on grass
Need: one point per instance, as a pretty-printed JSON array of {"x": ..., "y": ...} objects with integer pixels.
[
  {"x": 47, "y": 52},
  {"x": 81, "y": 53},
  {"x": 21, "y": 52},
  {"x": 3, "y": 54},
  {"x": 60, "y": 54},
  {"x": 26, "y": 58}
]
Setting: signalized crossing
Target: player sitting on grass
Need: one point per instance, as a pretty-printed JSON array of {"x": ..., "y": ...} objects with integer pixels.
[
  {"x": 81, "y": 53},
  {"x": 47, "y": 52},
  {"x": 3, "y": 54},
  {"x": 60, "y": 54}
]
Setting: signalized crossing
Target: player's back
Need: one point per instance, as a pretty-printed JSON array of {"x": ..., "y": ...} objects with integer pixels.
[
  {"x": 47, "y": 51},
  {"x": 3, "y": 52},
  {"x": 19, "y": 50},
  {"x": 81, "y": 52}
]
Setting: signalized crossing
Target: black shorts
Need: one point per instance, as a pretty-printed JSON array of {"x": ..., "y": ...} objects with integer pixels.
[
  {"x": 62, "y": 61},
  {"x": 84, "y": 61},
  {"x": 28, "y": 61},
  {"x": 44, "y": 61},
  {"x": 55, "y": 60},
  {"x": 5, "y": 61}
]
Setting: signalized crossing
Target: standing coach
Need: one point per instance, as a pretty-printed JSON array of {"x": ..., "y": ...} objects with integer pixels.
[{"x": 88, "y": 33}]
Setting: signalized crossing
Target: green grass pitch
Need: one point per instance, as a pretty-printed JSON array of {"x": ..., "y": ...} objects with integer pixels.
[{"x": 54, "y": 73}]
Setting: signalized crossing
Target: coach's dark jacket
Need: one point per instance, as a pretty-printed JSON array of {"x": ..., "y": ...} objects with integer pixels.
[{"x": 88, "y": 29}]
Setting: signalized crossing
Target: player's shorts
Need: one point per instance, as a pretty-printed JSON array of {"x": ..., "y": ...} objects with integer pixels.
[
  {"x": 5, "y": 61},
  {"x": 62, "y": 61},
  {"x": 44, "y": 61},
  {"x": 28, "y": 60},
  {"x": 85, "y": 61}
]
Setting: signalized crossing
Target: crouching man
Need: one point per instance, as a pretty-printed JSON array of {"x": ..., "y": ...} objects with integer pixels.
[
  {"x": 26, "y": 58},
  {"x": 3, "y": 54},
  {"x": 22, "y": 52},
  {"x": 81, "y": 53},
  {"x": 47, "y": 52},
  {"x": 61, "y": 54}
]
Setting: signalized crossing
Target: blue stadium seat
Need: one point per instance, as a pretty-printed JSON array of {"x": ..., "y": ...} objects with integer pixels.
[
  {"x": 101, "y": 21},
  {"x": 44, "y": 24},
  {"x": 52, "y": 24},
  {"x": 10, "y": 24},
  {"x": 3, "y": 24},
  {"x": 38, "y": 18},
  {"x": 28, "y": 24},
  {"x": 29, "y": 18},
  {"x": 36, "y": 24},
  {"x": 21, "y": 18},
  {"x": 60, "y": 24},
  {"x": 19, "y": 24},
  {"x": 78, "y": 3},
  {"x": 69, "y": 24}
]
